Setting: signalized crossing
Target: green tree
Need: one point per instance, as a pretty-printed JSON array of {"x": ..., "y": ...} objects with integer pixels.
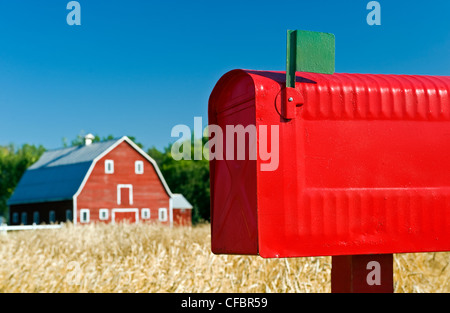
[
  {"x": 79, "y": 140},
  {"x": 13, "y": 164}
]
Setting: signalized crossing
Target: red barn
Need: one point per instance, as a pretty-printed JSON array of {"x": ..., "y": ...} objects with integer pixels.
[{"x": 109, "y": 182}]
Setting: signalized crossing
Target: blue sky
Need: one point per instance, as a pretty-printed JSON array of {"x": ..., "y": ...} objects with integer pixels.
[{"x": 141, "y": 67}]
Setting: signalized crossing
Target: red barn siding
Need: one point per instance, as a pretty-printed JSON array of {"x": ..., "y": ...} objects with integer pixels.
[
  {"x": 182, "y": 217},
  {"x": 101, "y": 190}
]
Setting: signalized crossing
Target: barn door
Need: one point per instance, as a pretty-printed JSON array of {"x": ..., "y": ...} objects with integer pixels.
[
  {"x": 125, "y": 195},
  {"x": 125, "y": 216}
]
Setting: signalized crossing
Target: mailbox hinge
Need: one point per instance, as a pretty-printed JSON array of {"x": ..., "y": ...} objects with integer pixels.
[
  {"x": 307, "y": 51},
  {"x": 288, "y": 101}
]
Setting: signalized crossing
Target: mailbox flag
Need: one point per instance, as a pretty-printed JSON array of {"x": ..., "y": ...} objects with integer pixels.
[{"x": 309, "y": 52}]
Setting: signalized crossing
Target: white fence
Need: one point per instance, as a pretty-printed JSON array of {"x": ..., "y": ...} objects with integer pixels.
[{"x": 5, "y": 228}]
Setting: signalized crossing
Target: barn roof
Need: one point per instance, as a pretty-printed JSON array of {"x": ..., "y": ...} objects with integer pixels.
[
  {"x": 180, "y": 202},
  {"x": 72, "y": 155},
  {"x": 58, "y": 174}
]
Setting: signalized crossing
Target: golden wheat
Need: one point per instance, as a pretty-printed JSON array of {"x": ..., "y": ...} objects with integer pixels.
[{"x": 143, "y": 258}]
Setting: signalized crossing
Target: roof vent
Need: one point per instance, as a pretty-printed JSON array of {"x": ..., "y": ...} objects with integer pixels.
[{"x": 88, "y": 139}]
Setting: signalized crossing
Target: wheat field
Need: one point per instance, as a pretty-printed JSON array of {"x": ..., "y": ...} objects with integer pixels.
[{"x": 143, "y": 258}]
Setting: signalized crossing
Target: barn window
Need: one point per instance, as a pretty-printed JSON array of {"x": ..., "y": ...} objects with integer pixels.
[
  {"x": 84, "y": 215},
  {"x": 109, "y": 166},
  {"x": 139, "y": 167},
  {"x": 24, "y": 218},
  {"x": 15, "y": 218},
  {"x": 104, "y": 214},
  {"x": 69, "y": 216},
  {"x": 52, "y": 216},
  {"x": 36, "y": 218},
  {"x": 163, "y": 214},
  {"x": 145, "y": 214}
]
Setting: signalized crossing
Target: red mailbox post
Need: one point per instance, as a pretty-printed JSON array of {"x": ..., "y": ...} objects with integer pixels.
[{"x": 360, "y": 165}]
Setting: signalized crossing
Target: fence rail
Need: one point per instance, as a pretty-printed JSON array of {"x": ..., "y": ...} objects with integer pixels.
[{"x": 6, "y": 228}]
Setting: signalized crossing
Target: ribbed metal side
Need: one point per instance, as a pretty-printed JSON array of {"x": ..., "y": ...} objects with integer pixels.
[{"x": 376, "y": 97}]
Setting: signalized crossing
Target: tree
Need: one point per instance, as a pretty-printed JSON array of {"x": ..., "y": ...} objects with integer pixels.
[
  {"x": 13, "y": 164},
  {"x": 79, "y": 140}
]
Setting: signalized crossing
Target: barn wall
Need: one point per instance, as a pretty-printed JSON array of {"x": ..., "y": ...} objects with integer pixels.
[
  {"x": 182, "y": 217},
  {"x": 44, "y": 209},
  {"x": 100, "y": 190}
]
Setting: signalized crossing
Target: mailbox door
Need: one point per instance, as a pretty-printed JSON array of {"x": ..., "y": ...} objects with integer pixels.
[{"x": 233, "y": 181}]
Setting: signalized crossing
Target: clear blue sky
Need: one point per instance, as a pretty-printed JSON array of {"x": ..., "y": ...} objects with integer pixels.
[{"x": 138, "y": 67}]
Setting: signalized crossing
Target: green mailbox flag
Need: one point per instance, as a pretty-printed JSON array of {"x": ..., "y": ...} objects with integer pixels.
[{"x": 309, "y": 52}]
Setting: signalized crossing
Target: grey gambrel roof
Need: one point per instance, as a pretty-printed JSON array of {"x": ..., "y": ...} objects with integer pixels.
[
  {"x": 72, "y": 155},
  {"x": 58, "y": 174}
]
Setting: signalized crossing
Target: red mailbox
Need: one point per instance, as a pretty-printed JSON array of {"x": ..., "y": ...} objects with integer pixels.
[{"x": 363, "y": 164}]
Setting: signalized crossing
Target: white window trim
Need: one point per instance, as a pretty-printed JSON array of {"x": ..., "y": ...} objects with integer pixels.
[
  {"x": 147, "y": 215},
  {"x": 119, "y": 187},
  {"x": 106, "y": 167},
  {"x": 88, "y": 216},
  {"x": 165, "y": 214},
  {"x": 100, "y": 214},
  {"x": 136, "y": 167}
]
